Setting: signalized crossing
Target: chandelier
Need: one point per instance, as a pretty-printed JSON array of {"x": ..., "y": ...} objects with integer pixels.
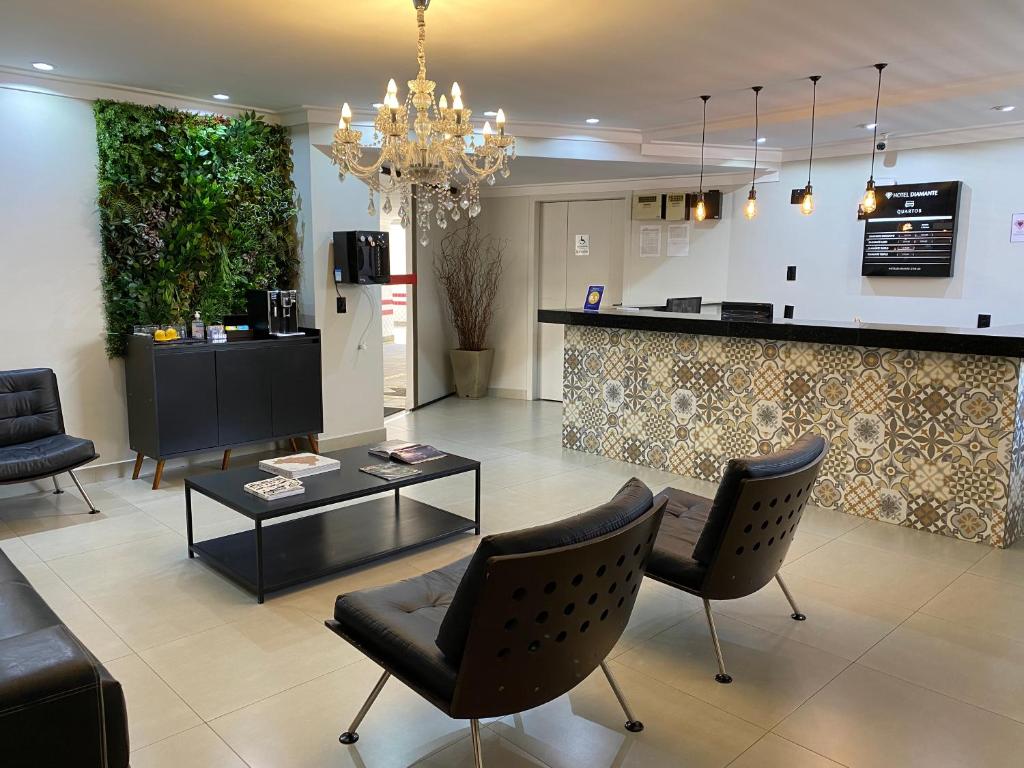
[{"x": 438, "y": 163}]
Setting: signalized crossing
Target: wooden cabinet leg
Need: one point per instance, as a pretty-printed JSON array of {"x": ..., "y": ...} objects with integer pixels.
[
  {"x": 314, "y": 443},
  {"x": 159, "y": 474},
  {"x": 226, "y": 460},
  {"x": 294, "y": 445},
  {"x": 138, "y": 465}
]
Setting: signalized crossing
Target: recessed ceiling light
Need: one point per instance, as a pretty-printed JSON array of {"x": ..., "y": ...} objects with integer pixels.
[
  {"x": 490, "y": 113},
  {"x": 42, "y": 66},
  {"x": 378, "y": 105},
  {"x": 868, "y": 126},
  {"x": 762, "y": 139},
  {"x": 593, "y": 120},
  {"x": 1004, "y": 108},
  {"x": 221, "y": 96}
]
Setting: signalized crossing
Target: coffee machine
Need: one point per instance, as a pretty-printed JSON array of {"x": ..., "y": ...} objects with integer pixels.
[{"x": 274, "y": 312}]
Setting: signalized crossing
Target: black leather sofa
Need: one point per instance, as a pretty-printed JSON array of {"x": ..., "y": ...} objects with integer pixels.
[{"x": 59, "y": 707}]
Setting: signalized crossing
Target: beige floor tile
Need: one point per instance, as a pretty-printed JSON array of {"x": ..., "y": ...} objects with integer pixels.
[
  {"x": 585, "y": 727},
  {"x": 875, "y": 573},
  {"x": 299, "y": 728},
  {"x": 197, "y": 747},
  {"x": 772, "y": 675},
  {"x": 1005, "y": 564},
  {"x": 775, "y": 752},
  {"x": 317, "y": 599},
  {"x": 907, "y": 541},
  {"x": 803, "y": 543},
  {"x": 966, "y": 664},
  {"x": 154, "y": 710},
  {"x": 828, "y": 522},
  {"x": 657, "y": 608},
  {"x": 496, "y": 751},
  {"x": 18, "y": 552},
  {"x": 866, "y": 719},
  {"x": 840, "y": 622},
  {"x": 231, "y": 666},
  {"x": 93, "y": 532},
  {"x": 151, "y": 593},
  {"x": 983, "y": 604},
  {"x": 88, "y": 627}
]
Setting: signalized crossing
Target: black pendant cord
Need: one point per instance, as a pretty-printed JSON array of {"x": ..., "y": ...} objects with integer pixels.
[
  {"x": 874, "y": 130},
  {"x": 703, "y": 135},
  {"x": 814, "y": 108},
  {"x": 753, "y": 175}
]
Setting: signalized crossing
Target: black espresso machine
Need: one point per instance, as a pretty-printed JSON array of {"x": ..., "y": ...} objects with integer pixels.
[{"x": 274, "y": 313}]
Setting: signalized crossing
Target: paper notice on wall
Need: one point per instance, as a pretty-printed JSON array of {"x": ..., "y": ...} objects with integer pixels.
[
  {"x": 582, "y": 245},
  {"x": 1017, "y": 228},
  {"x": 678, "y": 240},
  {"x": 650, "y": 242}
]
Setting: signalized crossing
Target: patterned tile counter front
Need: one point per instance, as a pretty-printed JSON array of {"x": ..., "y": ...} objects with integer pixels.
[{"x": 926, "y": 440}]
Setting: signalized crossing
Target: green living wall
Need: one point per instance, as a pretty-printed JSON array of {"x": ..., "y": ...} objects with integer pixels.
[{"x": 194, "y": 211}]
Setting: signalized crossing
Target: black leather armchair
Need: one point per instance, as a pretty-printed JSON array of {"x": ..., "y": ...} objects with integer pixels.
[
  {"x": 58, "y": 705},
  {"x": 524, "y": 620},
  {"x": 33, "y": 444},
  {"x": 732, "y": 546}
]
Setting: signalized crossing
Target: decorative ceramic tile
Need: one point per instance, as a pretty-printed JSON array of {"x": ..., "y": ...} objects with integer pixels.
[{"x": 931, "y": 441}]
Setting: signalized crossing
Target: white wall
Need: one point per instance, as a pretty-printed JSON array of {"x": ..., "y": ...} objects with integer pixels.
[
  {"x": 51, "y": 308},
  {"x": 433, "y": 333},
  {"x": 826, "y": 246}
]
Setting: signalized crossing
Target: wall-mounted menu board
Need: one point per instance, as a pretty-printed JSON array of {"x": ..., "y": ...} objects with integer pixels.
[{"x": 912, "y": 233}]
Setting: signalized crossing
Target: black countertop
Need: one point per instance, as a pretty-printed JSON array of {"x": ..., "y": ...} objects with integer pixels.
[{"x": 1006, "y": 341}]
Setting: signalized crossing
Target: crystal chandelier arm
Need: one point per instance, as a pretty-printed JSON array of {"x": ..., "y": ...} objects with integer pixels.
[{"x": 470, "y": 164}]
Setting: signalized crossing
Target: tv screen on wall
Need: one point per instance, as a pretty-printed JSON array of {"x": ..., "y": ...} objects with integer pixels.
[{"x": 912, "y": 232}]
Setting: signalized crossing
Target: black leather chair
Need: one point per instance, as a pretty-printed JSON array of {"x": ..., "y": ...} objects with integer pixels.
[
  {"x": 33, "y": 444},
  {"x": 58, "y": 705},
  {"x": 731, "y": 546},
  {"x": 524, "y": 620}
]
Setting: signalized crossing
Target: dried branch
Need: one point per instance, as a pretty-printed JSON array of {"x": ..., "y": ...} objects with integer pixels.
[{"x": 468, "y": 266}]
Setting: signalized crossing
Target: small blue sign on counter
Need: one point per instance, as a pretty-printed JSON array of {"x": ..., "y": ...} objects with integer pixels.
[{"x": 594, "y": 295}]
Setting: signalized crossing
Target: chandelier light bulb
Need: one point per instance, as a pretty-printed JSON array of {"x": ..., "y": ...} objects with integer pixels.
[
  {"x": 346, "y": 116},
  {"x": 392, "y": 87},
  {"x": 500, "y": 120},
  {"x": 443, "y": 102},
  {"x": 701, "y": 212},
  {"x": 807, "y": 202},
  {"x": 487, "y": 128},
  {"x": 456, "y": 91},
  {"x": 750, "y": 209}
]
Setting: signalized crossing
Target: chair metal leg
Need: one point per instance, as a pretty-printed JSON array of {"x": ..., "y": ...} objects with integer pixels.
[
  {"x": 81, "y": 490},
  {"x": 796, "y": 615},
  {"x": 632, "y": 724},
  {"x": 56, "y": 486},
  {"x": 350, "y": 736},
  {"x": 478, "y": 755},
  {"x": 722, "y": 676}
]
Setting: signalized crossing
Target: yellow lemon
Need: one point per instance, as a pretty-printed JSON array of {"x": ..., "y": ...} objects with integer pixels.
[
  {"x": 159, "y": 335},
  {"x": 171, "y": 334}
]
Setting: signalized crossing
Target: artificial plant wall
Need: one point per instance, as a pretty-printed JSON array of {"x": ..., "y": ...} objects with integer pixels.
[{"x": 194, "y": 211}]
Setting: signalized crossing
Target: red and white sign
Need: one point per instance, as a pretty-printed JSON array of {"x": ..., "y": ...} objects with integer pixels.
[{"x": 1017, "y": 228}]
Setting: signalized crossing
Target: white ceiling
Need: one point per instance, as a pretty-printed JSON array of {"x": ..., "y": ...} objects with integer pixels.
[{"x": 637, "y": 65}]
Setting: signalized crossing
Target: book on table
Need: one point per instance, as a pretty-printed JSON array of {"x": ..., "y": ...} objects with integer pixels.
[
  {"x": 407, "y": 453},
  {"x": 299, "y": 465},
  {"x": 274, "y": 488},
  {"x": 389, "y": 471}
]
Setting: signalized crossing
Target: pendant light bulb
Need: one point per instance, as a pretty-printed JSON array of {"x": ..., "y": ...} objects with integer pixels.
[
  {"x": 750, "y": 209},
  {"x": 701, "y": 211},
  {"x": 869, "y": 203},
  {"x": 807, "y": 201}
]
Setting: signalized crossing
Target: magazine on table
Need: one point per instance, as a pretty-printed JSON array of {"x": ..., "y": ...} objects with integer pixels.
[
  {"x": 390, "y": 471},
  {"x": 274, "y": 488},
  {"x": 407, "y": 453},
  {"x": 299, "y": 465}
]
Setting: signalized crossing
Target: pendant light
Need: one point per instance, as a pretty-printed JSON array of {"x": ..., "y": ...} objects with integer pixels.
[
  {"x": 807, "y": 201},
  {"x": 869, "y": 203},
  {"x": 750, "y": 209},
  {"x": 701, "y": 211}
]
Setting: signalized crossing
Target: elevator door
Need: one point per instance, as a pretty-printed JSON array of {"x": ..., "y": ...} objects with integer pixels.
[{"x": 567, "y": 271}]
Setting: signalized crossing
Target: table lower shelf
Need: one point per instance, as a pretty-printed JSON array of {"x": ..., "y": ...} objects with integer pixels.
[{"x": 309, "y": 547}]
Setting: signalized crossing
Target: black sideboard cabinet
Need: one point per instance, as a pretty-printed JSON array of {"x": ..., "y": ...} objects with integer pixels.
[{"x": 197, "y": 396}]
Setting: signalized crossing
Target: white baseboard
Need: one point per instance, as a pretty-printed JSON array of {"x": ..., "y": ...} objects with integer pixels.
[{"x": 508, "y": 394}]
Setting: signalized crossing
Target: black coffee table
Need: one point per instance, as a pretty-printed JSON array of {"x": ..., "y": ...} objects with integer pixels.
[{"x": 277, "y": 556}]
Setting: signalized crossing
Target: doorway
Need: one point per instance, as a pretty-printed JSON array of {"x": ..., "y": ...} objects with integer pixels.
[
  {"x": 566, "y": 270},
  {"x": 396, "y": 324}
]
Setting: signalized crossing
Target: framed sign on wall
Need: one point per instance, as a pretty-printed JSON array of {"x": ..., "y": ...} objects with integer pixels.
[{"x": 912, "y": 233}]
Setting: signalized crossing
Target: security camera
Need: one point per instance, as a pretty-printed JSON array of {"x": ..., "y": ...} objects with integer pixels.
[{"x": 883, "y": 143}]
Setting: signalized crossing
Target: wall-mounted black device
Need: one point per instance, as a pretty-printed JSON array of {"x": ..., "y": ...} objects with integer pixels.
[
  {"x": 742, "y": 310},
  {"x": 790, "y": 274},
  {"x": 712, "y": 203},
  {"x": 984, "y": 321},
  {"x": 361, "y": 256},
  {"x": 787, "y": 312}
]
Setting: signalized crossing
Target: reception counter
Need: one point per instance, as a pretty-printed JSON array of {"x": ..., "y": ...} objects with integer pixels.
[{"x": 926, "y": 424}]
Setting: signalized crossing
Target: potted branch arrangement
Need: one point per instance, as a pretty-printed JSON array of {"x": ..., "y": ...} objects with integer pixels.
[{"x": 468, "y": 268}]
